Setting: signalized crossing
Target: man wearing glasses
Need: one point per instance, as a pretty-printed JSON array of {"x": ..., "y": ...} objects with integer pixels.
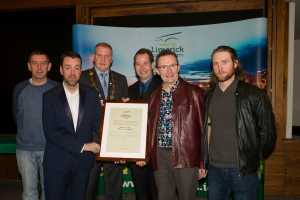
[{"x": 175, "y": 128}]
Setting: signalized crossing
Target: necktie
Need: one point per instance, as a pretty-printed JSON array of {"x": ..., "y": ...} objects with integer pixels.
[
  {"x": 104, "y": 83},
  {"x": 142, "y": 89}
]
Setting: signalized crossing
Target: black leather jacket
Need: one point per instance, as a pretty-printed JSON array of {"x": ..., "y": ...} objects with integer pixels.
[{"x": 255, "y": 124}]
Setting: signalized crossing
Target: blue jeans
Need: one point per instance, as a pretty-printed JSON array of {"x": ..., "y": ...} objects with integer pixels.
[
  {"x": 30, "y": 164},
  {"x": 224, "y": 183}
]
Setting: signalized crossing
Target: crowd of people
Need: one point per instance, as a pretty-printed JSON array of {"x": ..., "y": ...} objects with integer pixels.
[{"x": 221, "y": 133}]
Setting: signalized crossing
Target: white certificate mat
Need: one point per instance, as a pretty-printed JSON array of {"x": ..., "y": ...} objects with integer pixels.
[{"x": 124, "y": 131}]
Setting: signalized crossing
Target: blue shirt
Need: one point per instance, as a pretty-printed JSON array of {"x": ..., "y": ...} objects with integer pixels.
[
  {"x": 143, "y": 86},
  {"x": 103, "y": 78}
]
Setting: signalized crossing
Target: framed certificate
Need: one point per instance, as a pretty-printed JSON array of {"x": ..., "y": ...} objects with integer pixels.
[{"x": 124, "y": 131}]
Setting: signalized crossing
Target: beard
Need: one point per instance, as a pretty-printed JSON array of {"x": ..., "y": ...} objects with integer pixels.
[
  {"x": 226, "y": 77},
  {"x": 71, "y": 83}
]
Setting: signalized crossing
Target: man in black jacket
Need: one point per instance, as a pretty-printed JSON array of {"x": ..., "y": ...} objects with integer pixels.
[
  {"x": 141, "y": 90},
  {"x": 242, "y": 130}
]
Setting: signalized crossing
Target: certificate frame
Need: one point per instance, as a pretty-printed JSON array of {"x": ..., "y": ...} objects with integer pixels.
[{"x": 124, "y": 132}]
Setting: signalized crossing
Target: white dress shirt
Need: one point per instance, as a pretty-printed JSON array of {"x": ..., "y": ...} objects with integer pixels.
[{"x": 73, "y": 101}]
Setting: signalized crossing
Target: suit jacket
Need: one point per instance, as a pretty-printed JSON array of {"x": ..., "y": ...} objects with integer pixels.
[
  {"x": 64, "y": 143},
  {"x": 117, "y": 84},
  {"x": 134, "y": 89},
  {"x": 117, "y": 88}
]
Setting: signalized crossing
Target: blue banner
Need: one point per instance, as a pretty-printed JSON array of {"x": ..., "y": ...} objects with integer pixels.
[{"x": 193, "y": 45}]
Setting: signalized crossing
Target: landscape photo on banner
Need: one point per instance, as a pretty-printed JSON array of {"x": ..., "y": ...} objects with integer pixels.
[{"x": 192, "y": 44}]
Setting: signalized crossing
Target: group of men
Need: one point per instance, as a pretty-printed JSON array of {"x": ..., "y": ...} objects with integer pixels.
[{"x": 221, "y": 133}]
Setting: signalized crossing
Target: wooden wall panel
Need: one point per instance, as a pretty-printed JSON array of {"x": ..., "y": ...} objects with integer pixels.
[
  {"x": 8, "y": 169},
  {"x": 87, "y": 11},
  {"x": 36, "y": 4},
  {"x": 13, "y": 5},
  {"x": 292, "y": 159},
  {"x": 274, "y": 174},
  {"x": 276, "y": 167},
  {"x": 218, "y": 3}
]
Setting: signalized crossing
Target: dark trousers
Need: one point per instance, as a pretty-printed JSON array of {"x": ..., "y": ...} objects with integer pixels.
[
  {"x": 174, "y": 183},
  {"x": 224, "y": 182},
  {"x": 65, "y": 184},
  {"x": 91, "y": 193},
  {"x": 112, "y": 181},
  {"x": 143, "y": 179}
]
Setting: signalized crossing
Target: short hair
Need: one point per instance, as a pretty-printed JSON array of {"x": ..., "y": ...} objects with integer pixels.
[
  {"x": 104, "y": 44},
  {"x": 70, "y": 54},
  {"x": 37, "y": 52},
  {"x": 234, "y": 57},
  {"x": 165, "y": 52},
  {"x": 143, "y": 51}
]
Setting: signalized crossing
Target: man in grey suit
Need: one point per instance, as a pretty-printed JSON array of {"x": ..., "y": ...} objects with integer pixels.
[{"x": 110, "y": 86}]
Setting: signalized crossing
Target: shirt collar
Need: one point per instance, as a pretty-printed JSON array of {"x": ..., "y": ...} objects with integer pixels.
[
  {"x": 173, "y": 87},
  {"x": 232, "y": 87},
  {"x": 147, "y": 82},
  {"x": 101, "y": 72},
  {"x": 68, "y": 93}
]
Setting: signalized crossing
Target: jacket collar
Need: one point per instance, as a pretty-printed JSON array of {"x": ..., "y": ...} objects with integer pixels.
[{"x": 67, "y": 111}]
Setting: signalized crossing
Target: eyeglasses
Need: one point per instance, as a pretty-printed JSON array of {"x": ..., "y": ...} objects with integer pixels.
[{"x": 164, "y": 67}]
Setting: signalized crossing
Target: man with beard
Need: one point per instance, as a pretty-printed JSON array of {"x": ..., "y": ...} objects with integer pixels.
[
  {"x": 242, "y": 130},
  {"x": 70, "y": 120}
]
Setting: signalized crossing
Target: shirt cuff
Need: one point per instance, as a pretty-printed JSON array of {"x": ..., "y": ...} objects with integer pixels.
[{"x": 82, "y": 148}]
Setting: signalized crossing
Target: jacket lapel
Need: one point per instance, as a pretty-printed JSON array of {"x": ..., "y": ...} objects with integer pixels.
[
  {"x": 95, "y": 81},
  {"x": 81, "y": 110},
  {"x": 136, "y": 91},
  {"x": 64, "y": 101}
]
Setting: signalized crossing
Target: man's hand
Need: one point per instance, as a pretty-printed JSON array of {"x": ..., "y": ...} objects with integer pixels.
[
  {"x": 92, "y": 147},
  {"x": 140, "y": 163},
  {"x": 202, "y": 173},
  {"x": 124, "y": 100}
]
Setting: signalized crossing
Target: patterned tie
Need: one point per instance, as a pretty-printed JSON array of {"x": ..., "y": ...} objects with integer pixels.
[{"x": 104, "y": 81}]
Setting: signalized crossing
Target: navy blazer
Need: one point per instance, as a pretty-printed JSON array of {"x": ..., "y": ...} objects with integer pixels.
[
  {"x": 134, "y": 89},
  {"x": 64, "y": 144}
]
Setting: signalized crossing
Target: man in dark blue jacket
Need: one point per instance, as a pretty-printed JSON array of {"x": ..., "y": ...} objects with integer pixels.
[
  {"x": 242, "y": 130},
  {"x": 141, "y": 90},
  {"x": 70, "y": 119}
]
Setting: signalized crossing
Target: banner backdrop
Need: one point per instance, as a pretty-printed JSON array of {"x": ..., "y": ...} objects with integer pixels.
[{"x": 193, "y": 45}]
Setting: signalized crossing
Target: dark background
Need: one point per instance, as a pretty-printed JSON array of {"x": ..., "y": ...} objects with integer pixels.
[
  {"x": 51, "y": 30},
  {"x": 22, "y": 32}
]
